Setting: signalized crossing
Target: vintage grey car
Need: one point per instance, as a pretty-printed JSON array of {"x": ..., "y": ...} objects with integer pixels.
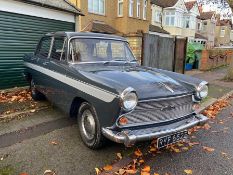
[{"x": 96, "y": 78}]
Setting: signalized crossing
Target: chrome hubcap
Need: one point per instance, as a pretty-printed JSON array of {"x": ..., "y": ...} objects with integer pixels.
[{"x": 88, "y": 124}]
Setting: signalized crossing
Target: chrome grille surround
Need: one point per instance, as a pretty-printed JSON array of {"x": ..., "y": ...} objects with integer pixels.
[{"x": 159, "y": 111}]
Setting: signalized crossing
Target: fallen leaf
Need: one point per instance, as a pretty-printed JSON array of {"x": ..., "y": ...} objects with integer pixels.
[
  {"x": 155, "y": 174},
  {"x": 141, "y": 161},
  {"x": 23, "y": 174},
  {"x": 206, "y": 126},
  {"x": 138, "y": 153},
  {"x": 49, "y": 172},
  {"x": 146, "y": 169},
  {"x": 54, "y": 143},
  {"x": 33, "y": 110},
  {"x": 224, "y": 154},
  {"x": 132, "y": 171},
  {"x": 108, "y": 168},
  {"x": 119, "y": 156},
  {"x": 97, "y": 171},
  {"x": 185, "y": 148},
  {"x": 208, "y": 149},
  {"x": 188, "y": 171}
]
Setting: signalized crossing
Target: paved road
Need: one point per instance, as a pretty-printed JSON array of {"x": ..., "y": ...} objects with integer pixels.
[
  {"x": 71, "y": 157},
  {"x": 219, "y": 137}
]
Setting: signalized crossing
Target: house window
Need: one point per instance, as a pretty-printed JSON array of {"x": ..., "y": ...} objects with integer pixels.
[
  {"x": 170, "y": 18},
  {"x": 199, "y": 26},
  {"x": 138, "y": 8},
  {"x": 204, "y": 26},
  {"x": 120, "y": 8},
  {"x": 187, "y": 22},
  {"x": 130, "y": 8},
  {"x": 157, "y": 16},
  {"x": 96, "y": 6},
  {"x": 144, "y": 9},
  {"x": 222, "y": 33},
  {"x": 178, "y": 19}
]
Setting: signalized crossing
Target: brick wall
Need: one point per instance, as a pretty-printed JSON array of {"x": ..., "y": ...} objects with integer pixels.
[
  {"x": 215, "y": 58},
  {"x": 135, "y": 43}
]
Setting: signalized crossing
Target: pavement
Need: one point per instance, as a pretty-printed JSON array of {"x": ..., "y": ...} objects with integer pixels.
[{"x": 49, "y": 139}]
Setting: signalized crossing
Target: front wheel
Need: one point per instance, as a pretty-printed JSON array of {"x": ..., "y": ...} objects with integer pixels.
[{"x": 89, "y": 127}]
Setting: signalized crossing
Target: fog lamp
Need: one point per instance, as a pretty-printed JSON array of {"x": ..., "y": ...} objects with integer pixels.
[{"x": 123, "y": 120}]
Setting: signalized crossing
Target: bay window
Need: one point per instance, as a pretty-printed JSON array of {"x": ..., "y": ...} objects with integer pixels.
[
  {"x": 157, "y": 16},
  {"x": 130, "y": 8},
  {"x": 138, "y": 8},
  {"x": 170, "y": 19},
  {"x": 120, "y": 8},
  {"x": 222, "y": 32},
  {"x": 144, "y": 9},
  {"x": 96, "y": 6}
]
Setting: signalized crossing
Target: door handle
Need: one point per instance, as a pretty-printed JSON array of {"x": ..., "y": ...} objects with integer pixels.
[{"x": 45, "y": 63}]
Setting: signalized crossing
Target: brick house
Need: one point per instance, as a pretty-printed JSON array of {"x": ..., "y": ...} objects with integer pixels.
[{"x": 128, "y": 18}]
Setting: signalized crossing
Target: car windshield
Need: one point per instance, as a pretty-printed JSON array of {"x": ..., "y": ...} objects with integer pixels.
[{"x": 100, "y": 50}]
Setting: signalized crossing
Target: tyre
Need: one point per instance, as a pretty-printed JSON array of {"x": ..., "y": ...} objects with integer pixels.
[
  {"x": 36, "y": 95},
  {"x": 89, "y": 127}
]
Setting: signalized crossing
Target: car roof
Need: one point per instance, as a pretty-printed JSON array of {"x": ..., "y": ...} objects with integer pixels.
[{"x": 85, "y": 34}]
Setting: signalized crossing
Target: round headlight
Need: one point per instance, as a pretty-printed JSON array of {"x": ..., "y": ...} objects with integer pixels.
[
  {"x": 129, "y": 99},
  {"x": 202, "y": 90}
]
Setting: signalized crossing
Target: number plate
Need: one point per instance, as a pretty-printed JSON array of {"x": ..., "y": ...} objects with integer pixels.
[{"x": 170, "y": 139}]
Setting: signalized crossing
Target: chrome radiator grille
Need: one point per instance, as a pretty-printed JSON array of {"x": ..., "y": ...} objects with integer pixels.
[{"x": 160, "y": 111}]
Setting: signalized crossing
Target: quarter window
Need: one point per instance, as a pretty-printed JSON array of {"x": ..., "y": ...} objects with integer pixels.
[
  {"x": 44, "y": 47},
  {"x": 120, "y": 8},
  {"x": 157, "y": 16},
  {"x": 222, "y": 34},
  {"x": 96, "y": 6},
  {"x": 131, "y": 8},
  {"x": 58, "y": 49}
]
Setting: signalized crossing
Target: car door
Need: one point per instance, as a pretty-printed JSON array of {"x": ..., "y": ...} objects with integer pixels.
[
  {"x": 41, "y": 59},
  {"x": 58, "y": 64}
]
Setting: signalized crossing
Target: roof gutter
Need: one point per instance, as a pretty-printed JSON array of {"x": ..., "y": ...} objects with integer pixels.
[{"x": 53, "y": 7}]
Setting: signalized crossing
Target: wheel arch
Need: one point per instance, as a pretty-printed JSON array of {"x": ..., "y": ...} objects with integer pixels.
[{"x": 75, "y": 105}]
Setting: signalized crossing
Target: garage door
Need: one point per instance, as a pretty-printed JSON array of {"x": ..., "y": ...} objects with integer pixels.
[{"x": 19, "y": 34}]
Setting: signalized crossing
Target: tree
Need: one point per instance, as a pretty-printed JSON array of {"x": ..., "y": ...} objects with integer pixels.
[{"x": 223, "y": 5}]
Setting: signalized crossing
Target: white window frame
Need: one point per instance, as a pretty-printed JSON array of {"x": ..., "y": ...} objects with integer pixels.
[
  {"x": 199, "y": 26},
  {"x": 91, "y": 9},
  {"x": 144, "y": 9},
  {"x": 157, "y": 16},
  {"x": 138, "y": 8},
  {"x": 120, "y": 4},
  {"x": 222, "y": 32},
  {"x": 131, "y": 8},
  {"x": 169, "y": 16}
]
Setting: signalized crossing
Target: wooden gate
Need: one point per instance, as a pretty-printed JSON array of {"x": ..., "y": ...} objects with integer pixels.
[
  {"x": 164, "y": 52},
  {"x": 180, "y": 54}
]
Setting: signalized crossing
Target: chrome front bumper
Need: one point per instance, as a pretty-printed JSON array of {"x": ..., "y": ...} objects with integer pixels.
[{"x": 130, "y": 137}]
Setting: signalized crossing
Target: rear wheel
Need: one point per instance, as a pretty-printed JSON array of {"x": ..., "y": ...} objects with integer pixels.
[
  {"x": 36, "y": 95},
  {"x": 89, "y": 127}
]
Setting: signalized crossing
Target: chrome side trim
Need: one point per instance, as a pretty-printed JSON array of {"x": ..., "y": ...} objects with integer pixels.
[{"x": 80, "y": 85}]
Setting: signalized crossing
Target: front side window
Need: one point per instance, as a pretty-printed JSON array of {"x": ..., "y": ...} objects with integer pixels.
[
  {"x": 130, "y": 8},
  {"x": 44, "y": 47},
  {"x": 58, "y": 49},
  {"x": 138, "y": 8},
  {"x": 96, "y": 6},
  {"x": 97, "y": 50},
  {"x": 120, "y": 8},
  {"x": 170, "y": 18},
  {"x": 144, "y": 9}
]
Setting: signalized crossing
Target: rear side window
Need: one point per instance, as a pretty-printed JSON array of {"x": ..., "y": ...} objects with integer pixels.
[
  {"x": 44, "y": 47},
  {"x": 58, "y": 49}
]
